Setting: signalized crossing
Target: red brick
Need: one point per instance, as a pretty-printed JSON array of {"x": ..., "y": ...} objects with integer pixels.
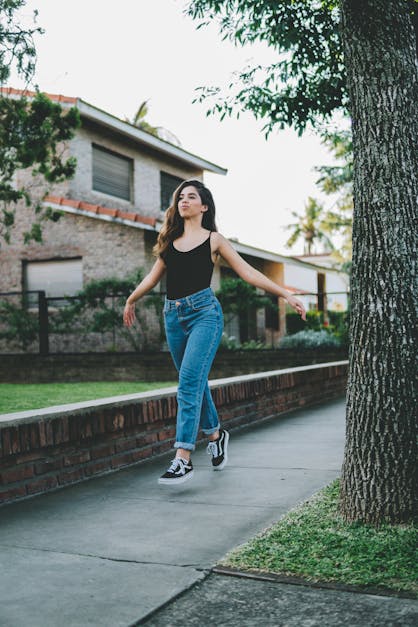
[
  {"x": 18, "y": 473},
  {"x": 121, "y": 460},
  {"x": 41, "y": 485},
  {"x": 144, "y": 453},
  {"x": 71, "y": 476},
  {"x": 118, "y": 421},
  {"x": 166, "y": 434},
  {"x": 125, "y": 445},
  {"x": 98, "y": 424},
  {"x": 146, "y": 438},
  {"x": 86, "y": 430},
  {"x": 49, "y": 433},
  {"x": 6, "y": 448},
  {"x": 97, "y": 467},
  {"x": 24, "y": 437},
  {"x": 63, "y": 431},
  {"x": 11, "y": 440},
  {"x": 79, "y": 457},
  {"x": 47, "y": 465},
  {"x": 105, "y": 450},
  {"x": 42, "y": 433},
  {"x": 161, "y": 447},
  {"x": 12, "y": 493},
  {"x": 34, "y": 436},
  {"x": 29, "y": 457}
]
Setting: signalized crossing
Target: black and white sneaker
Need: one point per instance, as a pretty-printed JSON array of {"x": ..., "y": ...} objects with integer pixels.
[
  {"x": 219, "y": 450},
  {"x": 179, "y": 471}
]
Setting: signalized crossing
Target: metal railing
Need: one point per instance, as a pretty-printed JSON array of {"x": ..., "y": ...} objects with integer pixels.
[{"x": 32, "y": 322}]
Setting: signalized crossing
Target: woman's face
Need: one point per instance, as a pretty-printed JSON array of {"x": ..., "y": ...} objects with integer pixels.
[{"x": 190, "y": 203}]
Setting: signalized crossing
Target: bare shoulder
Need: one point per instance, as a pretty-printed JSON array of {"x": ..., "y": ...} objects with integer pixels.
[{"x": 218, "y": 241}]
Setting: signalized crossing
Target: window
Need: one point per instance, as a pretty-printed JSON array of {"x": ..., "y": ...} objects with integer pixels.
[
  {"x": 112, "y": 173},
  {"x": 169, "y": 184},
  {"x": 58, "y": 277}
]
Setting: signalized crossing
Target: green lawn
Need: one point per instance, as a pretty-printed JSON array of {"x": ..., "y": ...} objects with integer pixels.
[
  {"x": 22, "y": 396},
  {"x": 313, "y": 542}
]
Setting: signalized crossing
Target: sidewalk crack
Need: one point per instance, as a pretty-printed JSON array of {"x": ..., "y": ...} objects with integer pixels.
[{"x": 197, "y": 567}]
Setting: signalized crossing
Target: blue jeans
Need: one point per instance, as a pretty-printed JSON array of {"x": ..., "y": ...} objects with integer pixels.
[{"x": 194, "y": 326}]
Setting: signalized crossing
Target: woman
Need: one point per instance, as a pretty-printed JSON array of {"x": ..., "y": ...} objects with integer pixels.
[{"x": 188, "y": 246}]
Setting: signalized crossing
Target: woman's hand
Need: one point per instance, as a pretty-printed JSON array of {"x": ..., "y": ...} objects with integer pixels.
[
  {"x": 296, "y": 304},
  {"x": 129, "y": 314}
]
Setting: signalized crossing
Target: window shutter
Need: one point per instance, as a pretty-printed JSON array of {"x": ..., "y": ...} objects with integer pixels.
[{"x": 112, "y": 174}]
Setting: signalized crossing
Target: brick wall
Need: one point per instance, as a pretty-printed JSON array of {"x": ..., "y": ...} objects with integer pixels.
[{"x": 48, "y": 449}]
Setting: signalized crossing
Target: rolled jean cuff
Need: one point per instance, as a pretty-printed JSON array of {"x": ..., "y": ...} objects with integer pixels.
[
  {"x": 186, "y": 445},
  {"x": 212, "y": 430}
]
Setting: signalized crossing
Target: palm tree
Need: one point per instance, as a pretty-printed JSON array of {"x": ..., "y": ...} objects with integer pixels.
[
  {"x": 311, "y": 226},
  {"x": 158, "y": 131},
  {"x": 338, "y": 179}
]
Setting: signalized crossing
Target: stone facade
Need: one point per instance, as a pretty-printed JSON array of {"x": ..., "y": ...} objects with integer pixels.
[{"x": 147, "y": 165}]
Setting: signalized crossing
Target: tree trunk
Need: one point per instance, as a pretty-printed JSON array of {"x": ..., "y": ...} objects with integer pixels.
[{"x": 379, "y": 471}]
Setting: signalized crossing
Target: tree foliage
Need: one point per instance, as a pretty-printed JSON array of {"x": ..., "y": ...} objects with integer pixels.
[
  {"x": 31, "y": 133},
  {"x": 17, "y": 46},
  {"x": 31, "y": 130},
  {"x": 305, "y": 84}
]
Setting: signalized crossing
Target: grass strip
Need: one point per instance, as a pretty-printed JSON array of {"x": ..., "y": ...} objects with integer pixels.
[
  {"x": 313, "y": 542},
  {"x": 26, "y": 396}
]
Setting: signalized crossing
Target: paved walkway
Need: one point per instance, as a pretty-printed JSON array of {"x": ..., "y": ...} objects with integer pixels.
[{"x": 111, "y": 551}]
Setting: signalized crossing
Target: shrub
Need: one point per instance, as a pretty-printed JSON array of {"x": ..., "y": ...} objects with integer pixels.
[
  {"x": 310, "y": 339},
  {"x": 314, "y": 321},
  {"x": 18, "y": 325}
]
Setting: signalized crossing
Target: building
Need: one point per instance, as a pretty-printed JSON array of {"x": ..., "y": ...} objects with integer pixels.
[{"x": 111, "y": 213}]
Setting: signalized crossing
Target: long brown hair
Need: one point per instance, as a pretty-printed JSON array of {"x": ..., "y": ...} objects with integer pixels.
[{"x": 173, "y": 225}]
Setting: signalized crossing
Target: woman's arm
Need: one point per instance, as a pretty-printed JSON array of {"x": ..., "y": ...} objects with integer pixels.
[
  {"x": 146, "y": 285},
  {"x": 251, "y": 275}
]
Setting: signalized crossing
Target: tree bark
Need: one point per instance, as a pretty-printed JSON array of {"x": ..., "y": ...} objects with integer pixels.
[{"x": 379, "y": 470}]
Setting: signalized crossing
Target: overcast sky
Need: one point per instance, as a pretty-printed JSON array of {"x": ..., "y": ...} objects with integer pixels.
[{"x": 114, "y": 55}]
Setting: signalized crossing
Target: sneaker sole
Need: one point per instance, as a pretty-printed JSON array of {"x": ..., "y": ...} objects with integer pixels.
[
  {"x": 177, "y": 480},
  {"x": 225, "y": 461}
]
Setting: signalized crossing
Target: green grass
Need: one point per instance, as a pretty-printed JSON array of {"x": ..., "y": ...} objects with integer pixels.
[
  {"x": 21, "y": 396},
  {"x": 313, "y": 542}
]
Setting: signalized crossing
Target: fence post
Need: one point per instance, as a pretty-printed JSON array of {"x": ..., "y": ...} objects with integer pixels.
[{"x": 43, "y": 323}]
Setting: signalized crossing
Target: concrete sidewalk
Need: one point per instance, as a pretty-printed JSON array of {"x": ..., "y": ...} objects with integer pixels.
[{"x": 111, "y": 551}]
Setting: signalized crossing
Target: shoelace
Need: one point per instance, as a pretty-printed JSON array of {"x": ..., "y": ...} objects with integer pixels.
[
  {"x": 212, "y": 449},
  {"x": 176, "y": 463}
]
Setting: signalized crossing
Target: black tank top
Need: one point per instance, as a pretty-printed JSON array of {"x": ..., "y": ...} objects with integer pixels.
[{"x": 188, "y": 272}]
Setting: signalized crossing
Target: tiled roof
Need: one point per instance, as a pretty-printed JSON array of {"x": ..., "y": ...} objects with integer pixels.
[
  {"x": 10, "y": 91},
  {"x": 126, "y": 129},
  {"x": 98, "y": 210}
]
